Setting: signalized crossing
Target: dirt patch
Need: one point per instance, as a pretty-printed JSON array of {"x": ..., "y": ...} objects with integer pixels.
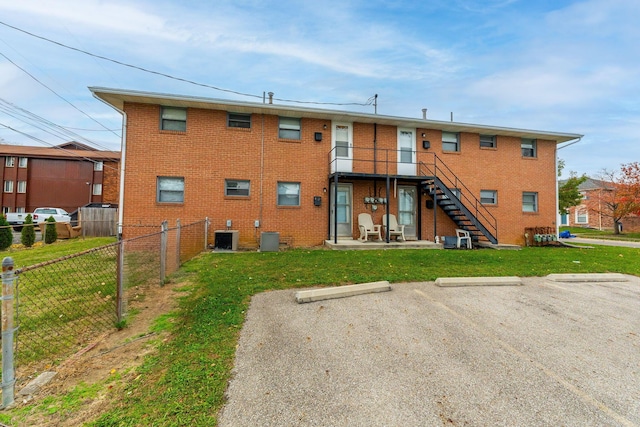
[{"x": 111, "y": 359}]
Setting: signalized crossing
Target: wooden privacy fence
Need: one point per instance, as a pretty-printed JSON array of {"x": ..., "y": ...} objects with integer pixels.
[{"x": 98, "y": 222}]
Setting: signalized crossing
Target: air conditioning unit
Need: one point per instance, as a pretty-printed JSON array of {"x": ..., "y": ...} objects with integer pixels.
[{"x": 226, "y": 240}]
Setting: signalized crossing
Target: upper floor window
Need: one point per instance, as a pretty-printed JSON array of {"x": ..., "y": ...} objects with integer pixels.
[
  {"x": 236, "y": 187},
  {"x": 174, "y": 118},
  {"x": 22, "y": 186},
  {"x": 488, "y": 141},
  {"x": 97, "y": 189},
  {"x": 488, "y": 197},
  {"x": 528, "y": 146},
  {"x": 8, "y": 186},
  {"x": 342, "y": 140},
  {"x": 288, "y": 194},
  {"x": 9, "y": 161},
  {"x": 98, "y": 166},
  {"x": 582, "y": 215},
  {"x": 170, "y": 189},
  {"x": 22, "y": 162},
  {"x": 450, "y": 141},
  {"x": 239, "y": 120},
  {"x": 529, "y": 202},
  {"x": 289, "y": 128}
]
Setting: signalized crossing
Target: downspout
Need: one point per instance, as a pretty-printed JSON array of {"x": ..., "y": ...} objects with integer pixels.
[
  {"x": 558, "y": 186},
  {"x": 261, "y": 179},
  {"x": 123, "y": 156}
]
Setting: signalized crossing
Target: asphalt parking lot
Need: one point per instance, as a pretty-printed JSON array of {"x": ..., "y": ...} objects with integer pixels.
[{"x": 542, "y": 354}]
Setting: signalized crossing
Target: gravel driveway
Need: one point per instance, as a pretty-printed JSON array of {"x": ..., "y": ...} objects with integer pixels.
[{"x": 543, "y": 354}]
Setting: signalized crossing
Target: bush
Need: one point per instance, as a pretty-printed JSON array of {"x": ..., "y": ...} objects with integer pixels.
[
  {"x": 6, "y": 234},
  {"x": 50, "y": 233},
  {"x": 28, "y": 236}
]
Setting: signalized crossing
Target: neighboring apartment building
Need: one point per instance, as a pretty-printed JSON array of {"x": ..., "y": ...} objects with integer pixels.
[
  {"x": 589, "y": 212},
  {"x": 307, "y": 173},
  {"x": 67, "y": 176}
]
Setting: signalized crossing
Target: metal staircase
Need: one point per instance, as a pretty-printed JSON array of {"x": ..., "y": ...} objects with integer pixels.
[{"x": 458, "y": 202}]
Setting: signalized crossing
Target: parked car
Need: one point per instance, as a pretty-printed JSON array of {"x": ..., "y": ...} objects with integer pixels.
[{"x": 16, "y": 219}]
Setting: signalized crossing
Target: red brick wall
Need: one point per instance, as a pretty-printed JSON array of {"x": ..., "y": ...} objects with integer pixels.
[{"x": 208, "y": 152}]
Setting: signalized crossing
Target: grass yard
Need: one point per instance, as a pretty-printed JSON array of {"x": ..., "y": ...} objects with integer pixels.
[
  {"x": 592, "y": 233},
  {"x": 183, "y": 383}
]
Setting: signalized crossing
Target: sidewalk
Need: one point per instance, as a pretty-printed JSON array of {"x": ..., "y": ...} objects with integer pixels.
[{"x": 604, "y": 242}]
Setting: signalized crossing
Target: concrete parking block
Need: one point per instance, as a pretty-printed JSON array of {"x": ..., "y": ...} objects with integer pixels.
[
  {"x": 341, "y": 291},
  {"x": 592, "y": 277},
  {"x": 478, "y": 281}
]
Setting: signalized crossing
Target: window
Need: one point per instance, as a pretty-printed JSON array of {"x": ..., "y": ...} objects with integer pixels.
[
  {"x": 239, "y": 120},
  {"x": 235, "y": 187},
  {"x": 170, "y": 189},
  {"x": 289, "y": 128},
  {"x": 6, "y": 210},
  {"x": 22, "y": 162},
  {"x": 450, "y": 141},
  {"x": 8, "y": 186},
  {"x": 97, "y": 190},
  {"x": 488, "y": 197},
  {"x": 9, "y": 161},
  {"x": 22, "y": 186},
  {"x": 528, "y": 147},
  {"x": 20, "y": 210},
  {"x": 288, "y": 194},
  {"x": 488, "y": 141},
  {"x": 98, "y": 166},
  {"x": 529, "y": 202},
  {"x": 174, "y": 119},
  {"x": 582, "y": 215}
]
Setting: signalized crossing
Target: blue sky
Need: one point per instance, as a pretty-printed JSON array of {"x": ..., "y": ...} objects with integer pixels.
[{"x": 565, "y": 66}]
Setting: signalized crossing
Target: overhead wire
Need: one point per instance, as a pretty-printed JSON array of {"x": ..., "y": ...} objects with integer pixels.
[{"x": 169, "y": 76}]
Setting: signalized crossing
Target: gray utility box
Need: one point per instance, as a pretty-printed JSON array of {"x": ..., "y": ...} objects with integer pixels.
[
  {"x": 226, "y": 240},
  {"x": 269, "y": 241}
]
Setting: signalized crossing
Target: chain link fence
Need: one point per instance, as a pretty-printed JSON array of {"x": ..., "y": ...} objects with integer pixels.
[{"x": 64, "y": 304}]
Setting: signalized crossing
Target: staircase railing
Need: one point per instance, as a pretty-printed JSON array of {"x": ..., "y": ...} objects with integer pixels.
[{"x": 440, "y": 171}]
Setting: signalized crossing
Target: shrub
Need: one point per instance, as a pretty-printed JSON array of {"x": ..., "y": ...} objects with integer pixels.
[
  {"x": 6, "y": 234},
  {"x": 50, "y": 233},
  {"x": 28, "y": 236}
]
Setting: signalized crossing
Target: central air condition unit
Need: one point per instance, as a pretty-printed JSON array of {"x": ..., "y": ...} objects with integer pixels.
[{"x": 226, "y": 240}]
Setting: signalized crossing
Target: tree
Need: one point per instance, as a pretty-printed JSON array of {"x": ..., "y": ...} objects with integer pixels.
[
  {"x": 50, "y": 233},
  {"x": 568, "y": 193},
  {"x": 619, "y": 195},
  {"x": 28, "y": 236},
  {"x": 6, "y": 234}
]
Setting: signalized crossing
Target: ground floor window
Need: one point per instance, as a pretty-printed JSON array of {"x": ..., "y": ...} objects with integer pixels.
[
  {"x": 529, "y": 202},
  {"x": 288, "y": 194},
  {"x": 170, "y": 189}
]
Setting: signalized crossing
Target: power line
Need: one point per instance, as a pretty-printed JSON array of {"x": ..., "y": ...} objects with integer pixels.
[
  {"x": 54, "y": 92},
  {"x": 146, "y": 70},
  {"x": 54, "y": 146}
]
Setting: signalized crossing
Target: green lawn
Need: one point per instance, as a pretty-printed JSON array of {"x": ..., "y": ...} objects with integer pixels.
[
  {"x": 592, "y": 233},
  {"x": 183, "y": 383}
]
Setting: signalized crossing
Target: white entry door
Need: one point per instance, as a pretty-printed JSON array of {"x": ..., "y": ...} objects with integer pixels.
[
  {"x": 406, "y": 151},
  {"x": 344, "y": 209},
  {"x": 407, "y": 205},
  {"x": 342, "y": 147}
]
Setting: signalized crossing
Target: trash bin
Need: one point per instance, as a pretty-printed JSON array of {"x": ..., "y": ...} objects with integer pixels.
[
  {"x": 269, "y": 241},
  {"x": 450, "y": 242}
]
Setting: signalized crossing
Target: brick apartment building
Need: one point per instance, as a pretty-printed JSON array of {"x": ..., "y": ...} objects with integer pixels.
[
  {"x": 67, "y": 176},
  {"x": 307, "y": 173}
]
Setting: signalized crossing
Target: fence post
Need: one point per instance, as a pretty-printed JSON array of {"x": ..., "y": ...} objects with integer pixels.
[
  {"x": 178, "y": 242},
  {"x": 8, "y": 370},
  {"x": 120, "y": 281},
  {"x": 206, "y": 231},
  {"x": 163, "y": 250}
]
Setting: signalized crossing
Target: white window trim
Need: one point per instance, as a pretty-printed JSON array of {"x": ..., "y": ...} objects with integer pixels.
[
  {"x": 97, "y": 190},
  {"x": 22, "y": 184},
  {"x": 412, "y": 131},
  {"x": 290, "y": 127},
  {"x": 494, "y": 194},
  {"x": 9, "y": 161},
  {"x": 578, "y": 210},
  {"x": 159, "y": 191},
  {"x": 98, "y": 166},
  {"x": 22, "y": 162},
  {"x": 536, "y": 201},
  {"x": 298, "y": 195},
  {"x": 8, "y": 186}
]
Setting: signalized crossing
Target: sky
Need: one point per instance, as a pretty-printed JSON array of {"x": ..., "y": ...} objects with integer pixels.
[{"x": 550, "y": 65}]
